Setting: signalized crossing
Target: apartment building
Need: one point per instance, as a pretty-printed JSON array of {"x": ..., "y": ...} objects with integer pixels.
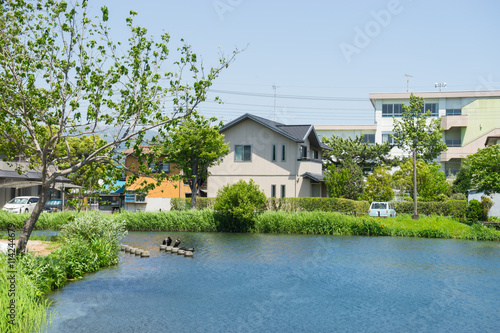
[{"x": 468, "y": 118}]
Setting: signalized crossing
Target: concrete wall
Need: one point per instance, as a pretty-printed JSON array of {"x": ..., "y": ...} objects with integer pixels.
[{"x": 495, "y": 209}]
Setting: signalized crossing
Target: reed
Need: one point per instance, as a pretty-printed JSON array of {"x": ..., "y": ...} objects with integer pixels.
[{"x": 30, "y": 313}]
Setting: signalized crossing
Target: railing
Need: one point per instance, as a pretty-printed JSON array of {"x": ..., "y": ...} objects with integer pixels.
[{"x": 453, "y": 143}]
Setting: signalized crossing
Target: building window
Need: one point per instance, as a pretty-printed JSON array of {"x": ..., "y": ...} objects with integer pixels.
[
  {"x": 283, "y": 191},
  {"x": 391, "y": 110},
  {"x": 283, "y": 153},
  {"x": 303, "y": 152},
  {"x": 369, "y": 138},
  {"x": 387, "y": 137},
  {"x": 453, "y": 143},
  {"x": 316, "y": 155},
  {"x": 243, "y": 152},
  {"x": 273, "y": 191},
  {"x": 274, "y": 154},
  {"x": 453, "y": 112},
  {"x": 432, "y": 107},
  {"x": 159, "y": 167}
]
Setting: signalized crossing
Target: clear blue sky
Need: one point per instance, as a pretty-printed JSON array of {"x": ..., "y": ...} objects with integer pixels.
[{"x": 336, "y": 52}]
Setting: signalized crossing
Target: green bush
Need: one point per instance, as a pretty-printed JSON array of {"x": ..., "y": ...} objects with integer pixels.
[
  {"x": 454, "y": 208},
  {"x": 474, "y": 211},
  {"x": 322, "y": 204},
  {"x": 185, "y": 203},
  {"x": 238, "y": 203}
]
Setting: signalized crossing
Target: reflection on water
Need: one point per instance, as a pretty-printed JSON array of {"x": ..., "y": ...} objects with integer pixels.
[{"x": 277, "y": 283}]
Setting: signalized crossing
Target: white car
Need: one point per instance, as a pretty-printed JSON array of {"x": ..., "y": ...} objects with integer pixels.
[
  {"x": 20, "y": 205},
  {"x": 382, "y": 209}
]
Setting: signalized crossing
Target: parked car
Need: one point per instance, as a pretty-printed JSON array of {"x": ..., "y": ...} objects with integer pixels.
[
  {"x": 382, "y": 209},
  {"x": 52, "y": 206},
  {"x": 20, "y": 205}
]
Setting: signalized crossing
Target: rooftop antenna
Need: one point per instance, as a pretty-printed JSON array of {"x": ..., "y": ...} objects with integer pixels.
[
  {"x": 408, "y": 76},
  {"x": 440, "y": 85}
]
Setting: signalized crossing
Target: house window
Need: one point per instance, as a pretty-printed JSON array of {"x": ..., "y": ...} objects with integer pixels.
[
  {"x": 273, "y": 157},
  {"x": 303, "y": 152},
  {"x": 159, "y": 167},
  {"x": 453, "y": 112},
  {"x": 369, "y": 138},
  {"x": 283, "y": 191},
  {"x": 273, "y": 191},
  {"x": 316, "y": 154},
  {"x": 243, "y": 152},
  {"x": 283, "y": 153}
]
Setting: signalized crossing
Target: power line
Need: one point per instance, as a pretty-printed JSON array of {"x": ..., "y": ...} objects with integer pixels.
[{"x": 318, "y": 98}]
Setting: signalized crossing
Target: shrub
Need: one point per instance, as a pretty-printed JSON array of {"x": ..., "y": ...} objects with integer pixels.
[
  {"x": 240, "y": 202},
  {"x": 185, "y": 203},
  {"x": 474, "y": 211}
]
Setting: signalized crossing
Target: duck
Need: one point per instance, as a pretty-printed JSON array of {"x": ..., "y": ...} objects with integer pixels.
[
  {"x": 177, "y": 242},
  {"x": 167, "y": 241}
]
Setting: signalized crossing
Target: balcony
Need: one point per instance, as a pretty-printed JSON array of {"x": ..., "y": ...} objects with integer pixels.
[
  {"x": 453, "y": 143},
  {"x": 448, "y": 122}
]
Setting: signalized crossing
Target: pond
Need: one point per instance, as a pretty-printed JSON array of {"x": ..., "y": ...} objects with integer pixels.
[{"x": 279, "y": 283}]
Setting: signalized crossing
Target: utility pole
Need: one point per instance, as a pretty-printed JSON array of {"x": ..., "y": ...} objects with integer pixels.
[{"x": 274, "y": 109}]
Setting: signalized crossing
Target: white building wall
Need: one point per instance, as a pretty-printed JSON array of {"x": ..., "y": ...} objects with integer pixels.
[{"x": 261, "y": 168}]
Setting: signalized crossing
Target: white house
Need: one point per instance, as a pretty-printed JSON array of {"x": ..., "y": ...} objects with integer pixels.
[{"x": 284, "y": 160}]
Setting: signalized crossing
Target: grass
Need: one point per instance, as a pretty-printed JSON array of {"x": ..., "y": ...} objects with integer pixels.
[
  {"x": 30, "y": 314},
  {"x": 89, "y": 242}
]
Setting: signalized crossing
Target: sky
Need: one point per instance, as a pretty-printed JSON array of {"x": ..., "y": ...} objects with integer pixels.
[{"x": 322, "y": 59}]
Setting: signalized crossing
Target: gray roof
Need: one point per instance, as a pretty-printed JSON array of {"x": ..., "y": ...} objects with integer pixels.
[
  {"x": 316, "y": 177},
  {"x": 297, "y": 133}
]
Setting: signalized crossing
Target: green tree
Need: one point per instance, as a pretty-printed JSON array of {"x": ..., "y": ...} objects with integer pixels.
[
  {"x": 379, "y": 186},
  {"x": 62, "y": 77},
  {"x": 485, "y": 169},
  {"x": 195, "y": 146},
  {"x": 431, "y": 181},
  {"x": 463, "y": 180},
  {"x": 367, "y": 156},
  {"x": 240, "y": 201},
  {"x": 420, "y": 135},
  {"x": 344, "y": 181}
]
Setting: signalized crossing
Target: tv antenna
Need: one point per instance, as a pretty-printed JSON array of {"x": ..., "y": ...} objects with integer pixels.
[
  {"x": 408, "y": 76},
  {"x": 440, "y": 85}
]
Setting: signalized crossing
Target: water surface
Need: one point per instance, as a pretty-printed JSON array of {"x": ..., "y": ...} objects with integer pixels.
[{"x": 279, "y": 283}]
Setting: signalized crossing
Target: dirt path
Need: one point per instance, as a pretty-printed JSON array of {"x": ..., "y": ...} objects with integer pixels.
[{"x": 39, "y": 248}]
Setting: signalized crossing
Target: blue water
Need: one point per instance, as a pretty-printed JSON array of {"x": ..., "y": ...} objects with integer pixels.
[{"x": 280, "y": 283}]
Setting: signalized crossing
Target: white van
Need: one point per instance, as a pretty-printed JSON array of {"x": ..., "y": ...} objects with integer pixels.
[
  {"x": 20, "y": 205},
  {"x": 382, "y": 209}
]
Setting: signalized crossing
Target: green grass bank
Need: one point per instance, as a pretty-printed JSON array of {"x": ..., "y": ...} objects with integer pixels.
[{"x": 90, "y": 242}]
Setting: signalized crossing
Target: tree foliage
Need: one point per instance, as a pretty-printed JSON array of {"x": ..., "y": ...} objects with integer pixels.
[
  {"x": 484, "y": 168},
  {"x": 195, "y": 145},
  {"x": 379, "y": 186},
  {"x": 240, "y": 200},
  {"x": 418, "y": 130},
  {"x": 61, "y": 77},
  {"x": 362, "y": 153},
  {"x": 431, "y": 181},
  {"x": 344, "y": 181},
  {"x": 463, "y": 180}
]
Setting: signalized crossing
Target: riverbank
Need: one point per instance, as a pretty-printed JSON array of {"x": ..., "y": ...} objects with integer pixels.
[
  {"x": 87, "y": 243},
  {"x": 316, "y": 222},
  {"x": 37, "y": 247}
]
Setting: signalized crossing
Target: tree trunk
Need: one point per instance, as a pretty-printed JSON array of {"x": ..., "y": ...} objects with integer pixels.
[
  {"x": 194, "y": 193},
  {"x": 29, "y": 224},
  {"x": 415, "y": 214}
]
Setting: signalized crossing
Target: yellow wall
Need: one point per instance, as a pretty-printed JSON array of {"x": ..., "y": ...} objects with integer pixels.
[{"x": 167, "y": 189}]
